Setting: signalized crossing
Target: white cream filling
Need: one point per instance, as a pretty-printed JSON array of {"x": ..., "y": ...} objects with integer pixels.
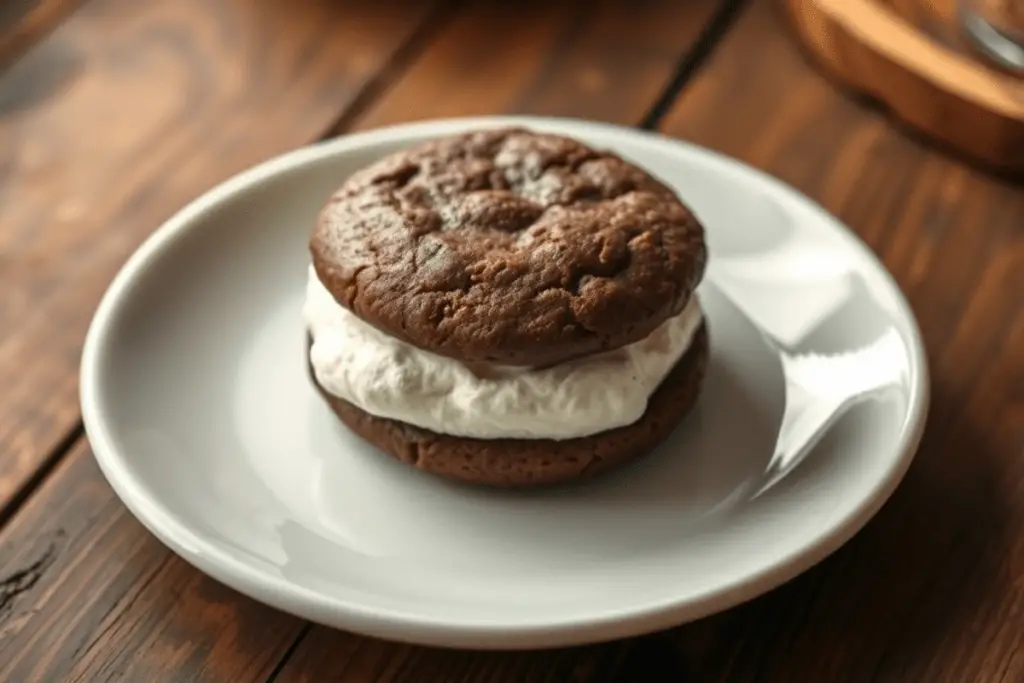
[{"x": 388, "y": 378}]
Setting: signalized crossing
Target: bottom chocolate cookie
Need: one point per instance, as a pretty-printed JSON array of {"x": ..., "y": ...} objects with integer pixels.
[{"x": 528, "y": 462}]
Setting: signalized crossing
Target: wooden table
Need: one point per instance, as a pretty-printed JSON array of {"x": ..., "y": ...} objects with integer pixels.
[{"x": 113, "y": 113}]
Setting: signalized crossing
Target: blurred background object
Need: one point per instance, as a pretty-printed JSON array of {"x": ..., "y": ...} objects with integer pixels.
[
  {"x": 915, "y": 59},
  {"x": 997, "y": 28}
]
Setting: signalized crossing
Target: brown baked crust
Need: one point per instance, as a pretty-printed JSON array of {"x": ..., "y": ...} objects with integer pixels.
[
  {"x": 520, "y": 463},
  {"x": 509, "y": 246}
]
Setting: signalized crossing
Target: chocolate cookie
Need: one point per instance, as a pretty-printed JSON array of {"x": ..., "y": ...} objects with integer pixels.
[
  {"x": 517, "y": 463},
  {"x": 509, "y": 246}
]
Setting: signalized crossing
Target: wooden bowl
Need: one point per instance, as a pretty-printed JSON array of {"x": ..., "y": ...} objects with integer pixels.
[{"x": 910, "y": 56}]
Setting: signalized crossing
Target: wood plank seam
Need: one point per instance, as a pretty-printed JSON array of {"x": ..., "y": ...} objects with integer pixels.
[
  {"x": 52, "y": 459},
  {"x": 395, "y": 66},
  {"x": 279, "y": 667},
  {"x": 691, "y": 62}
]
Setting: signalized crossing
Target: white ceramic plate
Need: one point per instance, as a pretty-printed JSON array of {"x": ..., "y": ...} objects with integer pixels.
[{"x": 199, "y": 410}]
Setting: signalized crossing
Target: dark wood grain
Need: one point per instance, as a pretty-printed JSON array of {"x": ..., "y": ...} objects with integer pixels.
[
  {"x": 119, "y": 117},
  {"x": 931, "y": 590},
  {"x": 607, "y": 61},
  {"x": 326, "y": 655},
  {"x": 88, "y": 595},
  {"x": 129, "y": 610}
]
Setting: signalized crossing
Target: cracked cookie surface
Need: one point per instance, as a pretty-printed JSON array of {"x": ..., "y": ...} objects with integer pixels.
[{"x": 509, "y": 246}]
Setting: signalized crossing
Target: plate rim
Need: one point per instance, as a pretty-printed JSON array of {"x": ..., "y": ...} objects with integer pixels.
[{"x": 426, "y": 630}]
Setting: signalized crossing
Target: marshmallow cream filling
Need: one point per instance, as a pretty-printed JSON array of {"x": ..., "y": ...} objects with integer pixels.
[{"x": 389, "y": 378}]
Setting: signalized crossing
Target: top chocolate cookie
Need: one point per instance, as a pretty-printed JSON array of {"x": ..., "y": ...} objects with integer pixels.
[{"x": 509, "y": 246}]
